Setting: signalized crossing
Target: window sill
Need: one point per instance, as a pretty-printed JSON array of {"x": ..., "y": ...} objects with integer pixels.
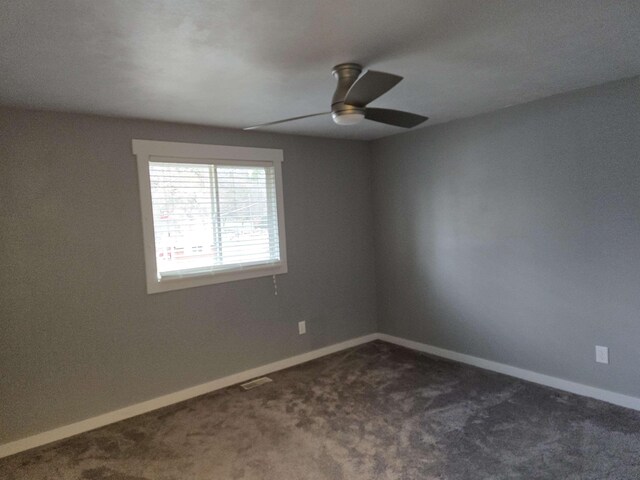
[{"x": 179, "y": 283}]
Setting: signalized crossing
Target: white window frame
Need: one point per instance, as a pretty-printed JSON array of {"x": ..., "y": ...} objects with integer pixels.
[{"x": 174, "y": 152}]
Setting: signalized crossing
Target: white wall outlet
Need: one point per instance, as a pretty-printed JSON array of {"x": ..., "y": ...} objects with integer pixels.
[
  {"x": 602, "y": 354},
  {"x": 302, "y": 328}
]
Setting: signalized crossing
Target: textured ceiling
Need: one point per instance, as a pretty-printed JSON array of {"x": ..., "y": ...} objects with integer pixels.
[{"x": 234, "y": 63}]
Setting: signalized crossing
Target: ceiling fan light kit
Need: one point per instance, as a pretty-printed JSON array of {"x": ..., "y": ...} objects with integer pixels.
[
  {"x": 352, "y": 95},
  {"x": 347, "y": 118}
]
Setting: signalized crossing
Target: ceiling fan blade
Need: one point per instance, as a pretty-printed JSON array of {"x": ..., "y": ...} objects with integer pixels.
[
  {"x": 286, "y": 120},
  {"x": 394, "y": 117},
  {"x": 370, "y": 86}
]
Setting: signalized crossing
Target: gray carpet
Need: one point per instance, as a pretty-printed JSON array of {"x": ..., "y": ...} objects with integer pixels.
[{"x": 373, "y": 412}]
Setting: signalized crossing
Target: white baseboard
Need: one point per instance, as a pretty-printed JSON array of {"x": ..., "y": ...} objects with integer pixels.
[
  {"x": 166, "y": 400},
  {"x": 555, "y": 382}
]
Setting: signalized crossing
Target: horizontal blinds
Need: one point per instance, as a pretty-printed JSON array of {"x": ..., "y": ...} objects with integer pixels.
[{"x": 213, "y": 217}]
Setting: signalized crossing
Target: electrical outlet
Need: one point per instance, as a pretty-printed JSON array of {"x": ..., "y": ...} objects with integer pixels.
[
  {"x": 302, "y": 328},
  {"x": 602, "y": 354}
]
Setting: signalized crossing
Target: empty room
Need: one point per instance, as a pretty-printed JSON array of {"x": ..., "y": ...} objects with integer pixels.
[{"x": 319, "y": 240}]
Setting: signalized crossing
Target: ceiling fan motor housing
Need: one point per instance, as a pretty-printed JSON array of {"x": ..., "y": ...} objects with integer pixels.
[{"x": 346, "y": 74}]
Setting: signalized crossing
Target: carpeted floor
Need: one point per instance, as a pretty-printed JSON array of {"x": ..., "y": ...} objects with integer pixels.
[{"x": 373, "y": 412}]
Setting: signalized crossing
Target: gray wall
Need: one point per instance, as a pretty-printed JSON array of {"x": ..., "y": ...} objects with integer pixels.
[
  {"x": 515, "y": 236},
  {"x": 79, "y": 334}
]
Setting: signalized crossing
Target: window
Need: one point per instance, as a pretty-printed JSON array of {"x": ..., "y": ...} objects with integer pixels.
[{"x": 210, "y": 213}]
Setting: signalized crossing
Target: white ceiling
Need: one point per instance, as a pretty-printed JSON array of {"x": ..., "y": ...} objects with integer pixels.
[{"x": 235, "y": 63}]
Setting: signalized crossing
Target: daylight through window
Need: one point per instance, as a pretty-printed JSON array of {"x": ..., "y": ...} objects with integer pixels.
[{"x": 210, "y": 217}]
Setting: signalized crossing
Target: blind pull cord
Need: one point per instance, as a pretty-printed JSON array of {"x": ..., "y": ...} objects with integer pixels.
[{"x": 275, "y": 286}]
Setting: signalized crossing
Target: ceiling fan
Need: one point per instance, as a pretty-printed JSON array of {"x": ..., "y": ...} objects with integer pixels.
[{"x": 354, "y": 93}]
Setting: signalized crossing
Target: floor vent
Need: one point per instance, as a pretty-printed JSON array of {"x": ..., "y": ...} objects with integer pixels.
[{"x": 256, "y": 383}]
